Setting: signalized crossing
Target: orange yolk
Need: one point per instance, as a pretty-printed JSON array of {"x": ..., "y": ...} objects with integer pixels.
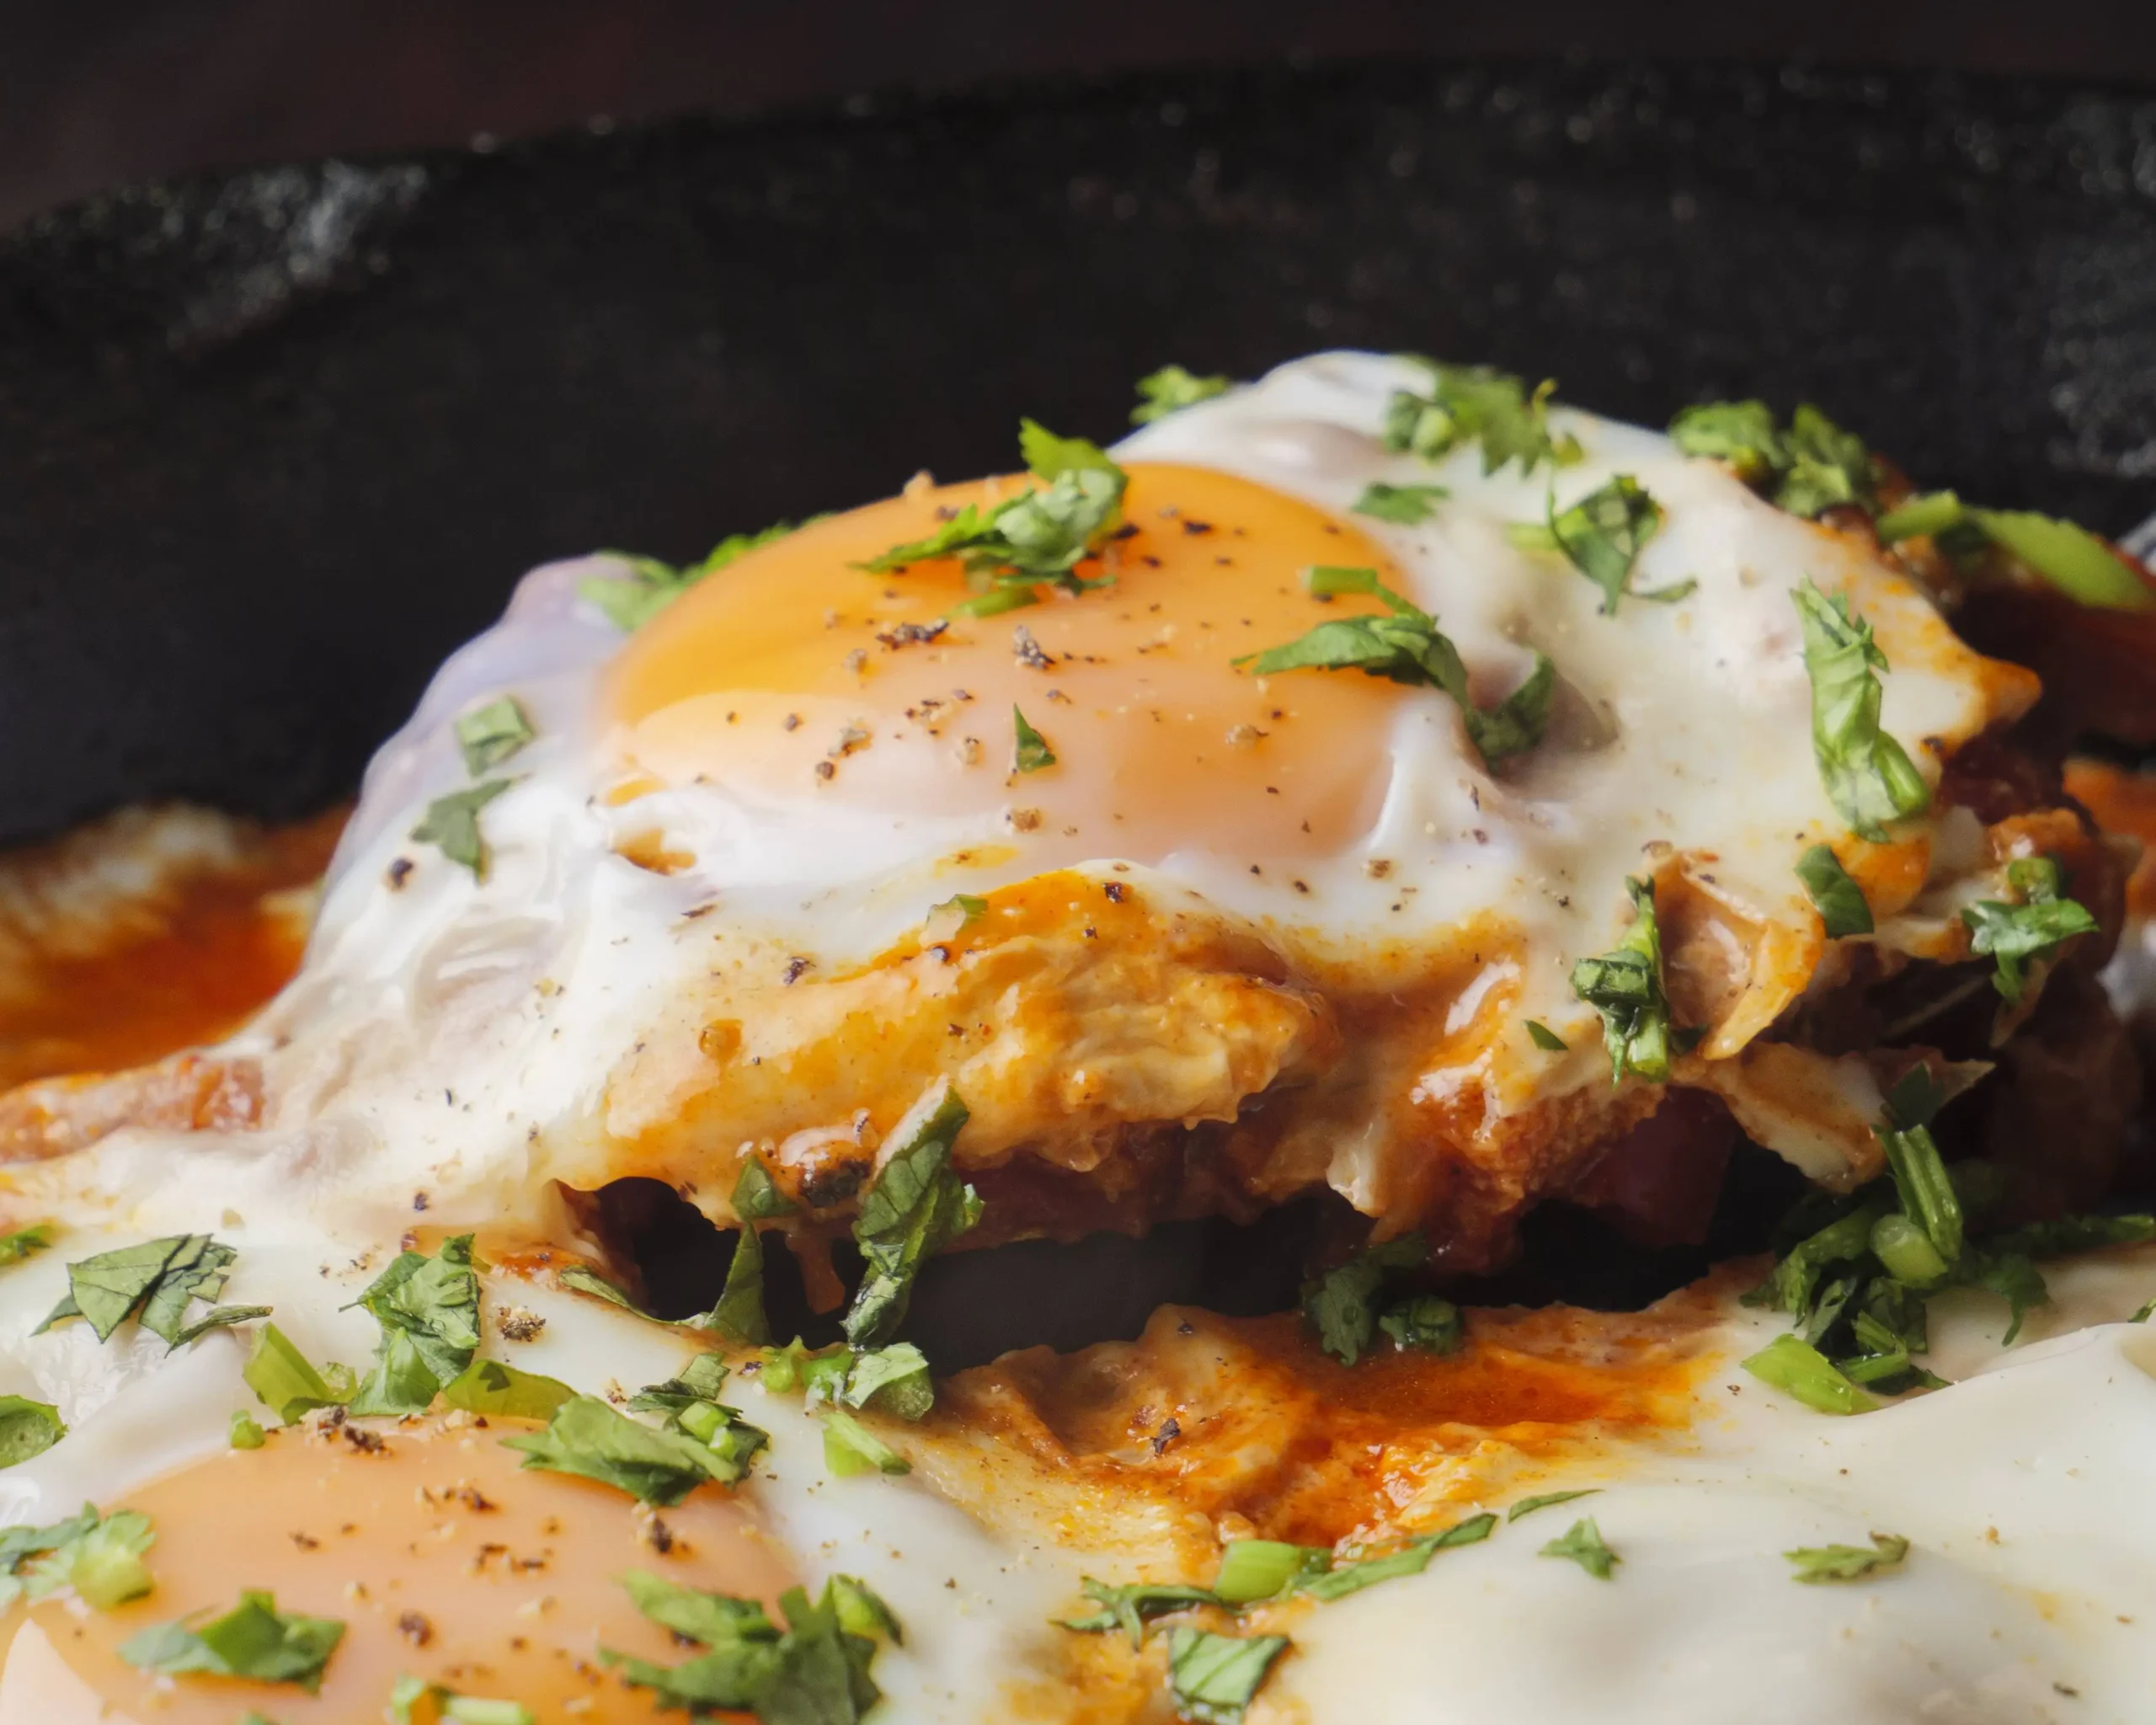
[
  {"x": 441, "y": 1557},
  {"x": 791, "y": 675}
]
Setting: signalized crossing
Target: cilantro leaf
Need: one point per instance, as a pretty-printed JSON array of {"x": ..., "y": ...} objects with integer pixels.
[
  {"x": 1213, "y": 1677},
  {"x": 1528, "y": 1506},
  {"x": 1868, "y": 774},
  {"x": 1581, "y": 1544},
  {"x": 1544, "y": 1037},
  {"x": 1407, "y": 647},
  {"x": 490, "y": 1388},
  {"x": 27, "y": 1428},
  {"x": 452, "y": 1707},
  {"x": 1410, "y": 1559},
  {"x": 286, "y": 1384},
  {"x": 894, "y": 1380},
  {"x": 490, "y": 734},
  {"x": 714, "y": 1619},
  {"x": 1032, "y": 752},
  {"x": 850, "y": 1448},
  {"x": 246, "y": 1431},
  {"x": 101, "y": 1558},
  {"x": 253, "y": 1640},
  {"x": 1838, "y": 900},
  {"x": 1470, "y": 404},
  {"x": 452, "y": 824},
  {"x": 1403, "y": 505},
  {"x": 654, "y": 585},
  {"x": 1624, "y": 985},
  {"x": 757, "y": 1196},
  {"x": 25, "y": 1242},
  {"x": 1827, "y": 467},
  {"x": 916, "y": 1207},
  {"x": 1341, "y": 1305},
  {"x": 1170, "y": 390},
  {"x": 429, "y": 1311},
  {"x": 738, "y": 1312},
  {"x": 1603, "y": 533},
  {"x": 1132, "y": 1606},
  {"x": 1817, "y": 1564},
  {"x": 2016, "y": 936},
  {"x": 1791, "y": 1362},
  {"x": 1741, "y": 433},
  {"x": 1428, "y": 1324},
  {"x": 588, "y": 1438},
  {"x": 1034, "y": 539},
  {"x": 154, "y": 1283}
]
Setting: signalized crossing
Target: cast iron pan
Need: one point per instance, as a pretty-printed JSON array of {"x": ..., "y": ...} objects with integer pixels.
[{"x": 271, "y": 444}]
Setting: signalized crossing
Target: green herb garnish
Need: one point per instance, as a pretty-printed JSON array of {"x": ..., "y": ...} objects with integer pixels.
[
  {"x": 1792, "y": 1364},
  {"x": 1838, "y": 900},
  {"x": 916, "y": 1207},
  {"x": 1581, "y": 1544},
  {"x": 1213, "y": 1677},
  {"x": 27, "y": 1428},
  {"x": 1032, "y": 752},
  {"x": 1868, "y": 774},
  {"x": 100, "y": 1557},
  {"x": 1344, "y": 1304},
  {"x": 1407, "y": 646},
  {"x": 1403, "y": 505},
  {"x": 1624, "y": 985},
  {"x": 1170, "y": 389},
  {"x": 490, "y": 734},
  {"x": 253, "y": 1640},
  {"x": 588, "y": 1438},
  {"x": 2018, "y": 935},
  {"x": 1528, "y": 1506},
  {"x": 287, "y": 1384},
  {"x": 1832, "y": 1563},
  {"x": 153, "y": 1283},
  {"x": 1476, "y": 403},
  {"x": 452, "y": 824},
  {"x": 1544, "y": 1037},
  {"x": 490, "y": 1388},
  {"x": 429, "y": 1311},
  {"x": 1810, "y": 467},
  {"x": 654, "y": 585},
  {"x": 1603, "y": 535}
]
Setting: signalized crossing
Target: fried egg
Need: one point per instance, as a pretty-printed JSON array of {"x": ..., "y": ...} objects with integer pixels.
[{"x": 820, "y": 844}]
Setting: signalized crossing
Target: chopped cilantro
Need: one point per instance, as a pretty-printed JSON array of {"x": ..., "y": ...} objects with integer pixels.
[
  {"x": 1342, "y": 1305},
  {"x": 814, "y": 1672},
  {"x": 1264, "y": 1569},
  {"x": 1603, "y": 533},
  {"x": 1032, "y": 752},
  {"x": 1813, "y": 466},
  {"x": 1528, "y": 1506},
  {"x": 1838, "y": 900},
  {"x": 253, "y": 1640},
  {"x": 429, "y": 1311},
  {"x": 1426, "y": 1323},
  {"x": 25, "y": 1242},
  {"x": 490, "y": 734},
  {"x": 850, "y": 1448},
  {"x": 27, "y": 1428},
  {"x": 2017, "y": 935},
  {"x": 1404, "y": 505},
  {"x": 1741, "y": 433},
  {"x": 452, "y": 824},
  {"x": 757, "y": 1196},
  {"x": 1213, "y": 1677},
  {"x": 490, "y": 1388},
  {"x": 1476, "y": 403},
  {"x": 1868, "y": 776},
  {"x": 1624, "y": 985},
  {"x": 1544, "y": 1037},
  {"x": 654, "y": 585},
  {"x": 288, "y": 1385},
  {"x": 1410, "y": 1559},
  {"x": 1170, "y": 390},
  {"x": 246, "y": 1431},
  {"x": 2072, "y": 559},
  {"x": 1132, "y": 1606},
  {"x": 1792, "y": 1364},
  {"x": 100, "y": 1557},
  {"x": 1581, "y": 1544},
  {"x": 406, "y": 1694},
  {"x": 916, "y": 1207},
  {"x": 1832, "y": 1563},
  {"x": 1407, "y": 647},
  {"x": 588, "y": 1438},
  {"x": 154, "y": 1283}
]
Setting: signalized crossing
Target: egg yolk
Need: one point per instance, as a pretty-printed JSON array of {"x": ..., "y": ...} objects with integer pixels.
[
  {"x": 441, "y": 1557},
  {"x": 795, "y": 673}
]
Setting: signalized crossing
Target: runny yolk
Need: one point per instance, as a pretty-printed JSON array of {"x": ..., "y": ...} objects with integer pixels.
[
  {"x": 791, "y": 675},
  {"x": 442, "y": 1558}
]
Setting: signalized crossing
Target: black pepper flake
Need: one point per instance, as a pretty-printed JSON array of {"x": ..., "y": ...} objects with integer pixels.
[
  {"x": 796, "y": 969},
  {"x": 415, "y": 1629},
  {"x": 399, "y": 871},
  {"x": 912, "y": 634},
  {"x": 1128, "y": 529},
  {"x": 825, "y": 770},
  {"x": 1195, "y": 528},
  {"x": 1116, "y": 891},
  {"x": 306, "y": 1541},
  {"x": 1166, "y": 1436},
  {"x": 365, "y": 1442},
  {"x": 419, "y": 1200},
  {"x": 1027, "y": 651}
]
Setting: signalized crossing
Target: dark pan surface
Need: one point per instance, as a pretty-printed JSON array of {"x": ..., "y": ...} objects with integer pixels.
[{"x": 270, "y": 444}]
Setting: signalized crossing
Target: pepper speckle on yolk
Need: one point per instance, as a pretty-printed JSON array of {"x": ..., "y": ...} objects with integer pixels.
[
  {"x": 440, "y": 1555},
  {"x": 788, "y": 677}
]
